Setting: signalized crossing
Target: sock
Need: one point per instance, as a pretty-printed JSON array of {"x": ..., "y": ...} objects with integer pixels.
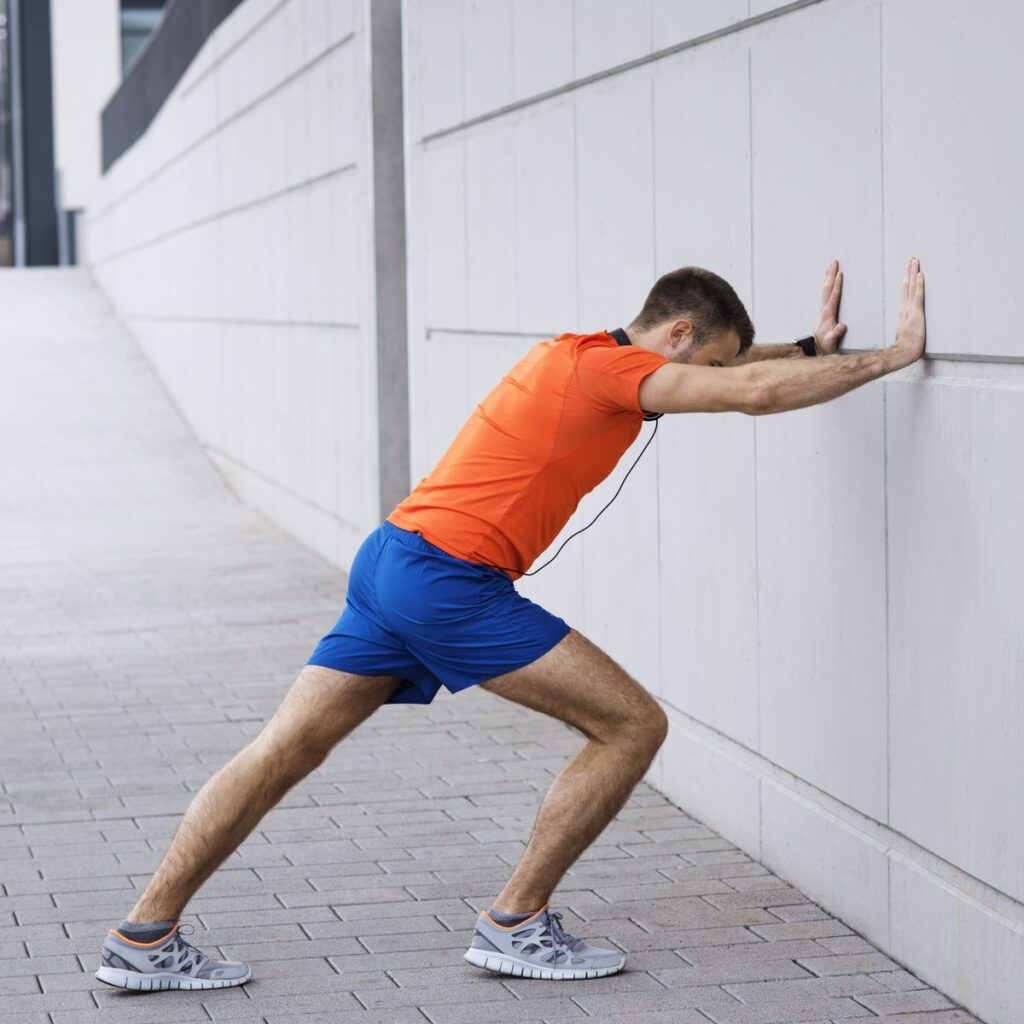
[
  {"x": 144, "y": 931},
  {"x": 509, "y": 919}
]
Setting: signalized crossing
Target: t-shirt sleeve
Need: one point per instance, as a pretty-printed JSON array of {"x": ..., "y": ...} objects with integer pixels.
[{"x": 611, "y": 377}]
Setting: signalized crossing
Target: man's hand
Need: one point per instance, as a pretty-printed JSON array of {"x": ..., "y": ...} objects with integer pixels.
[
  {"x": 910, "y": 324},
  {"x": 830, "y": 331}
]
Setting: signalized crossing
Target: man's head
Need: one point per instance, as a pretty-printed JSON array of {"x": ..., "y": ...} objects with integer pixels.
[{"x": 693, "y": 316}]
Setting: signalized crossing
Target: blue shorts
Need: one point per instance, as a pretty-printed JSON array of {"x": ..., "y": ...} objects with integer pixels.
[{"x": 416, "y": 612}]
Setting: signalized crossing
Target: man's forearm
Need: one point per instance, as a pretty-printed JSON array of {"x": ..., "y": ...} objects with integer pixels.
[
  {"x": 757, "y": 353},
  {"x": 796, "y": 384}
]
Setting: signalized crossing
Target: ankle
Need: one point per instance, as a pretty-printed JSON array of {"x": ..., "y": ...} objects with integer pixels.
[
  {"x": 516, "y": 908},
  {"x": 147, "y": 915},
  {"x": 145, "y": 931}
]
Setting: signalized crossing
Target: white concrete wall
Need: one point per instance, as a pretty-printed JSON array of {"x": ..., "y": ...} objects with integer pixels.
[
  {"x": 86, "y": 60},
  {"x": 234, "y": 238},
  {"x": 828, "y": 602}
]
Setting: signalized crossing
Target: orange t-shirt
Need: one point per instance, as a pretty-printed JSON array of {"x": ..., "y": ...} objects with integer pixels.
[{"x": 550, "y": 431}]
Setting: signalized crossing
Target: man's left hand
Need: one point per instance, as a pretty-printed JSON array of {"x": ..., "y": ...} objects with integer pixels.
[{"x": 830, "y": 331}]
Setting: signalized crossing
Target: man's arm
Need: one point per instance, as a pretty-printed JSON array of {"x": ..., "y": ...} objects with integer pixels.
[
  {"x": 786, "y": 386},
  {"x": 827, "y": 333},
  {"x": 770, "y": 387},
  {"x": 762, "y": 388},
  {"x": 757, "y": 353}
]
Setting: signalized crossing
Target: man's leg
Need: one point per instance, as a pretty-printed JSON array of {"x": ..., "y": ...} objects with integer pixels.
[
  {"x": 578, "y": 683},
  {"x": 321, "y": 707}
]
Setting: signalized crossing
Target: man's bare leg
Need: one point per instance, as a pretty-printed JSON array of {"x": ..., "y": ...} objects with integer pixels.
[
  {"x": 321, "y": 708},
  {"x": 579, "y": 684}
]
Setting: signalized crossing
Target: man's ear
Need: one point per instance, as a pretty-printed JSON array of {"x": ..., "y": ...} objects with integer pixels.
[{"x": 681, "y": 333}]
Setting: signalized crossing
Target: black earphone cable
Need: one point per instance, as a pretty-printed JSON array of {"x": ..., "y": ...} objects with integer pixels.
[{"x": 592, "y": 521}]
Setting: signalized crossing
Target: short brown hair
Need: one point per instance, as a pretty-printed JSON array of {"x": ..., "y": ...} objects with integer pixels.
[{"x": 707, "y": 299}]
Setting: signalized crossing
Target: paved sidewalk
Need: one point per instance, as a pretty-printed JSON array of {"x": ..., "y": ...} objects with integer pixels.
[{"x": 149, "y": 623}]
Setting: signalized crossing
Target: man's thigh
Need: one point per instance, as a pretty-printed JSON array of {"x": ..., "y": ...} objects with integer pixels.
[
  {"x": 579, "y": 684},
  {"x": 323, "y": 705}
]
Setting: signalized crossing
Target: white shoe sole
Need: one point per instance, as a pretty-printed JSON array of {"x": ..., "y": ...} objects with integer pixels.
[
  {"x": 163, "y": 980},
  {"x": 502, "y": 963}
]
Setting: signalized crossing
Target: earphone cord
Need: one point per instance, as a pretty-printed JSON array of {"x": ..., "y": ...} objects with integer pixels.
[{"x": 592, "y": 521}]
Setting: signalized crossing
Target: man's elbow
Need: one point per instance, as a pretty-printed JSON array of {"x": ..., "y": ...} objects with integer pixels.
[{"x": 760, "y": 400}]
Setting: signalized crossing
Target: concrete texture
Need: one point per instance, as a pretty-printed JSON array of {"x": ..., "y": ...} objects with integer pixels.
[{"x": 150, "y": 622}]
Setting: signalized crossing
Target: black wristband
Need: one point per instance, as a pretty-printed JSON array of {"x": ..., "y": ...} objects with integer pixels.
[{"x": 807, "y": 344}]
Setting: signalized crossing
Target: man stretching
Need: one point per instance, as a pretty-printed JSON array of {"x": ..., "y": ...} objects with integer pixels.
[{"x": 431, "y": 603}]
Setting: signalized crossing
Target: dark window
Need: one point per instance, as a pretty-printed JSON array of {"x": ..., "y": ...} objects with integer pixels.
[{"x": 138, "y": 20}]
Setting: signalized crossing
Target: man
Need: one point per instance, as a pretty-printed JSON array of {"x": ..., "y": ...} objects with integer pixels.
[{"x": 431, "y": 602}]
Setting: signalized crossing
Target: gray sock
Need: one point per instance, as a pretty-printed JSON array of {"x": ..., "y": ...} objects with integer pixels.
[
  {"x": 508, "y": 919},
  {"x": 144, "y": 931}
]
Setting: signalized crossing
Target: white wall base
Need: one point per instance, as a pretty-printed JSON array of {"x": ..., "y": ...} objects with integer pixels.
[{"x": 942, "y": 924}]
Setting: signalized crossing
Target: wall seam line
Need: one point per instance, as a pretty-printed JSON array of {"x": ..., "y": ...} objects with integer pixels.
[
  {"x": 885, "y": 495},
  {"x": 753, "y": 430},
  {"x": 229, "y": 212},
  {"x": 618, "y": 69}
]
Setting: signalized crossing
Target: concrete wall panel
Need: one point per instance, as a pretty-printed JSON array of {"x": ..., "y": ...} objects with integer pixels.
[
  {"x": 676, "y": 21},
  {"x": 435, "y": 85},
  {"x": 542, "y": 41},
  {"x": 623, "y": 546},
  {"x": 702, "y": 163},
  {"x": 488, "y": 55},
  {"x": 953, "y": 87},
  {"x": 956, "y": 492},
  {"x": 806, "y": 841},
  {"x": 813, "y": 486},
  {"x": 976, "y": 939},
  {"x": 544, "y": 232},
  {"x": 817, "y": 193},
  {"x": 609, "y": 33},
  {"x": 615, "y": 200},
  {"x": 707, "y": 533},
  {"x": 490, "y": 229},
  {"x": 447, "y": 399}
]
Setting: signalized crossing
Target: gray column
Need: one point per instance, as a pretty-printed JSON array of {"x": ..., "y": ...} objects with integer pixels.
[{"x": 385, "y": 52}]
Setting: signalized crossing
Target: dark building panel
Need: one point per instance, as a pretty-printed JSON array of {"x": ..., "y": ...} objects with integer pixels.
[
  {"x": 156, "y": 69},
  {"x": 37, "y": 123},
  {"x": 6, "y": 141}
]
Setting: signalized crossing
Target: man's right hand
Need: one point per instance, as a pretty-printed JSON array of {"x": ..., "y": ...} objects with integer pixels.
[{"x": 910, "y": 326}]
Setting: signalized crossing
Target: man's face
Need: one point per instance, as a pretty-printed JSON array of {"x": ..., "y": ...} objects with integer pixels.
[{"x": 720, "y": 349}]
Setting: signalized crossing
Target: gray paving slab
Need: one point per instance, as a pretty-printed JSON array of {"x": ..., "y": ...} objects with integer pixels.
[{"x": 150, "y": 622}]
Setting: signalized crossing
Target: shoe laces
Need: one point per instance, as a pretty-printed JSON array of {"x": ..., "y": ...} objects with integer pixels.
[
  {"x": 559, "y": 934},
  {"x": 197, "y": 956}
]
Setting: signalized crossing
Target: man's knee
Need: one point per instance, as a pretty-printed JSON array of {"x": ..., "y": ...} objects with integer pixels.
[
  {"x": 647, "y": 727},
  {"x": 287, "y": 759},
  {"x": 658, "y": 725},
  {"x": 321, "y": 708}
]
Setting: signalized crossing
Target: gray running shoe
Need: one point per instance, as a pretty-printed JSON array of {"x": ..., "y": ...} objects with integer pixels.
[
  {"x": 170, "y": 962},
  {"x": 539, "y": 948}
]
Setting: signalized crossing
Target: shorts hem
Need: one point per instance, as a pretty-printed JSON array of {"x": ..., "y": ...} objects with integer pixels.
[{"x": 562, "y": 634}]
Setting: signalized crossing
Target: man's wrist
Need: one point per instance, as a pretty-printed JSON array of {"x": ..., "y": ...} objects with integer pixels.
[{"x": 808, "y": 345}]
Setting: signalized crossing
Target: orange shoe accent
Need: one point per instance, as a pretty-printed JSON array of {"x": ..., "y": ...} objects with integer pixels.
[
  {"x": 512, "y": 927},
  {"x": 144, "y": 945}
]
